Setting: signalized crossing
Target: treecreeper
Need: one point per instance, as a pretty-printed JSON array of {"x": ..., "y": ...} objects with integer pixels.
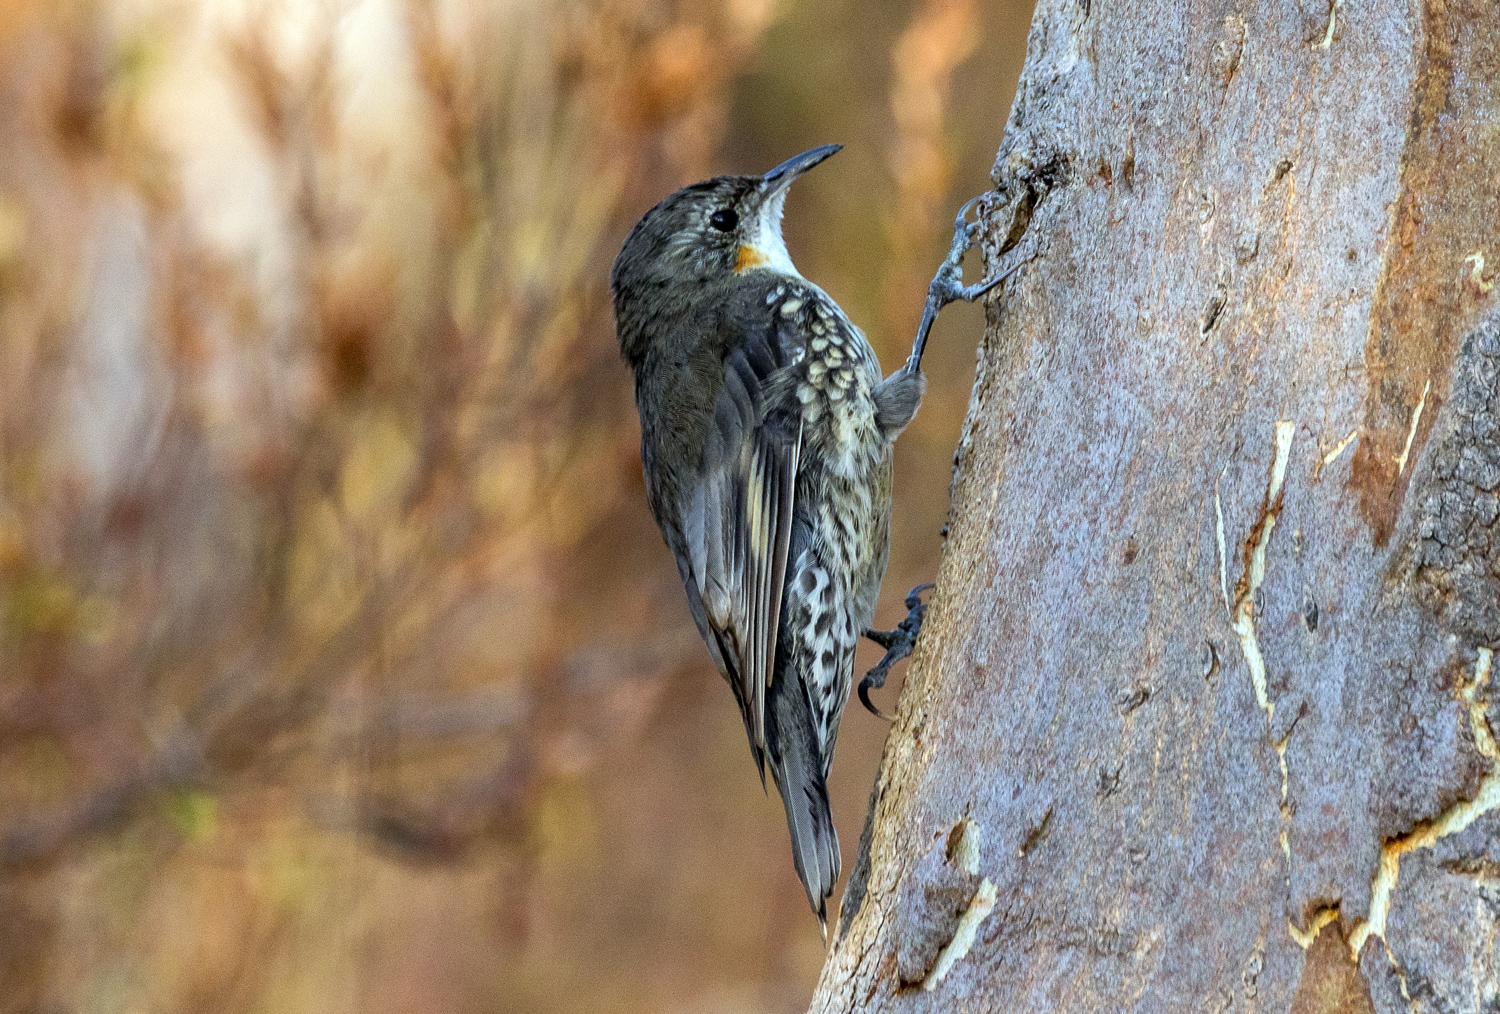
[{"x": 766, "y": 436}]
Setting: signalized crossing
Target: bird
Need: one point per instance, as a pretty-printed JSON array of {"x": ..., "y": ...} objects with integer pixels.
[{"x": 766, "y": 443}]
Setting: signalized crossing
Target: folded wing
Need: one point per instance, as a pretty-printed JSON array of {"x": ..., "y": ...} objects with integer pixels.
[{"x": 738, "y": 525}]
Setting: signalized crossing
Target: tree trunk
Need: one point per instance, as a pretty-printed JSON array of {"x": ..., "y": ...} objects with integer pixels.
[{"x": 1202, "y": 716}]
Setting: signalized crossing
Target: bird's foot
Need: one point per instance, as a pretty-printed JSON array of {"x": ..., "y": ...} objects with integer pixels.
[
  {"x": 947, "y": 285},
  {"x": 897, "y": 643}
]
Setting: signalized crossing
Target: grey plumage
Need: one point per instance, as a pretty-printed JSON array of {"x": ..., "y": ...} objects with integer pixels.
[{"x": 766, "y": 435}]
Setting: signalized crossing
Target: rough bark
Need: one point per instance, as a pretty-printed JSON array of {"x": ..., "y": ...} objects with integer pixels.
[{"x": 1207, "y": 667}]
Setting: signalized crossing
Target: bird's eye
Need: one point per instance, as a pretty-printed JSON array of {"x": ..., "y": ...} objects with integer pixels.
[{"x": 724, "y": 219}]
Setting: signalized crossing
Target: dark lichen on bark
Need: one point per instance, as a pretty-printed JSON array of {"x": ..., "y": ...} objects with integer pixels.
[{"x": 1454, "y": 560}]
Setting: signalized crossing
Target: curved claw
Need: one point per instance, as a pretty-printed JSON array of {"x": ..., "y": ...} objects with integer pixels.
[
  {"x": 963, "y": 213},
  {"x": 971, "y": 230},
  {"x": 864, "y": 698}
]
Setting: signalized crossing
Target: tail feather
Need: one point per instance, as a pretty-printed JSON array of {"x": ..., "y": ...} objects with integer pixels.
[{"x": 799, "y": 776}]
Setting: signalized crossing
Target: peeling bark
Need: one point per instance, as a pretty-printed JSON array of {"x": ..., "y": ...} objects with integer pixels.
[{"x": 1208, "y": 666}]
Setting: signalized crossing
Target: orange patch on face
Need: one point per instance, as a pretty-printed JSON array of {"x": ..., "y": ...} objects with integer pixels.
[{"x": 749, "y": 258}]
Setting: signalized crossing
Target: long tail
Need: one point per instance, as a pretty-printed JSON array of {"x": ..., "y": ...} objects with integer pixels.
[{"x": 799, "y": 775}]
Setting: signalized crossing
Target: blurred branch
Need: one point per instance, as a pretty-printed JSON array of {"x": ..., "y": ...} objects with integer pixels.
[{"x": 38, "y": 840}]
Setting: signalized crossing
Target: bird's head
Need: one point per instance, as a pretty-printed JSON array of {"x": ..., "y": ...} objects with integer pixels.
[{"x": 710, "y": 231}]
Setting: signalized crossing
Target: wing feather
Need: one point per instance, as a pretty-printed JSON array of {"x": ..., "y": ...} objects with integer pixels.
[
  {"x": 738, "y": 527},
  {"x": 765, "y": 537}
]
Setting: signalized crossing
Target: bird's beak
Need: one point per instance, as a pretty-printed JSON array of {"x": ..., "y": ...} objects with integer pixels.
[
  {"x": 781, "y": 177},
  {"x": 764, "y": 247}
]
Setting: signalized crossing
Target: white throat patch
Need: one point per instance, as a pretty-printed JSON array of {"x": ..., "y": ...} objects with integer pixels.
[{"x": 766, "y": 239}]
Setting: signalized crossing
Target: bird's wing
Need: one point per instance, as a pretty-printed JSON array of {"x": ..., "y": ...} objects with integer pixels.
[{"x": 738, "y": 522}]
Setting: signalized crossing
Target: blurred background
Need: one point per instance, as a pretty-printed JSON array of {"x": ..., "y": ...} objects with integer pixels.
[{"x": 342, "y": 667}]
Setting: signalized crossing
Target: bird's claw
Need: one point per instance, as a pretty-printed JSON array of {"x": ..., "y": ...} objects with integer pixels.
[
  {"x": 897, "y": 643},
  {"x": 971, "y": 230},
  {"x": 951, "y": 275},
  {"x": 948, "y": 284}
]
